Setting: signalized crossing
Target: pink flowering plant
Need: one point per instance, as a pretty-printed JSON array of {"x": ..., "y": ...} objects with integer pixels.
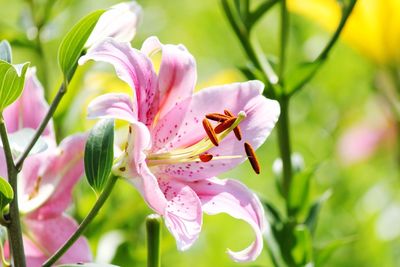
[{"x": 165, "y": 138}]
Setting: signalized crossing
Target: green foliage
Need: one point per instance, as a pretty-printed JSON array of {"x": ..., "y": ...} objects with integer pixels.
[
  {"x": 5, "y": 51},
  {"x": 12, "y": 79},
  {"x": 99, "y": 154},
  {"x": 73, "y": 43},
  {"x": 299, "y": 191},
  {"x": 303, "y": 249},
  {"x": 6, "y": 194},
  {"x": 312, "y": 217}
]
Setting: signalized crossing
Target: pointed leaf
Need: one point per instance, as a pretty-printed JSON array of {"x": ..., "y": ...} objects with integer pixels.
[
  {"x": 303, "y": 250},
  {"x": 12, "y": 78},
  {"x": 5, "y": 51},
  {"x": 99, "y": 153},
  {"x": 273, "y": 246},
  {"x": 299, "y": 190},
  {"x": 73, "y": 43},
  {"x": 6, "y": 194},
  {"x": 312, "y": 217},
  {"x": 323, "y": 253}
]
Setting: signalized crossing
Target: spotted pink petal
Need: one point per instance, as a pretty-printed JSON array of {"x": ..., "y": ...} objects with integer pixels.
[
  {"x": 177, "y": 75},
  {"x": 261, "y": 116},
  {"x": 183, "y": 215},
  {"x": 30, "y": 109},
  {"x": 234, "y": 198},
  {"x": 139, "y": 173},
  {"x": 47, "y": 236},
  {"x": 132, "y": 66},
  {"x": 58, "y": 170},
  {"x": 117, "y": 106}
]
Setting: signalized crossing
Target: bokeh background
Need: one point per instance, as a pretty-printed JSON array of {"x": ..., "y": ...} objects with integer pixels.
[{"x": 363, "y": 212}]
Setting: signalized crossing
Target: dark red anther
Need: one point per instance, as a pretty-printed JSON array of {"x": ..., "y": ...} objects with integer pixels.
[
  {"x": 251, "y": 155},
  {"x": 224, "y": 125},
  {"x": 217, "y": 117},
  {"x": 210, "y": 132}
]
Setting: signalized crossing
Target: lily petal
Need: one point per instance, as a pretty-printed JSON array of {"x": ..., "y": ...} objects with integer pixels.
[
  {"x": 183, "y": 215},
  {"x": 49, "y": 235},
  {"x": 119, "y": 22},
  {"x": 132, "y": 66},
  {"x": 138, "y": 172},
  {"x": 234, "y": 198},
  {"x": 261, "y": 116},
  {"x": 30, "y": 109},
  {"x": 47, "y": 188},
  {"x": 117, "y": 106},
  {"x": 177, "y": 76}
]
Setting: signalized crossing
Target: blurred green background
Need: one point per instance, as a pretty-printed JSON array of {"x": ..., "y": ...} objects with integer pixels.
[{"x": 365, "y": 204}]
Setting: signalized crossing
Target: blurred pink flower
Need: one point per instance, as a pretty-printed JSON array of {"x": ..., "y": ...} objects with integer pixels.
[
  {"x": 167, "y": 155},
  {"x": 361, "y": 141},
  {"x": 46, "y": 181}
]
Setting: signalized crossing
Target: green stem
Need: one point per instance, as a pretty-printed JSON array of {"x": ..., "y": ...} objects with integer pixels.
[
  {"x": 84, "y": 224},
  {"x": 14, "y": 225},
  {"x": 327, "y": 50},
  {"x": 153, "y": 229},
  {"x": 346, "y": 14},
  {"x": 285, "y": 146},
  {"x": 53, "y": 106}
]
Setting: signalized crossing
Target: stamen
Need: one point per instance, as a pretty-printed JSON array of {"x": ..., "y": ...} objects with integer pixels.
[
  {"x": 236, "y": 130},
  {"x": 251, "y": 155},
  {"x": 210, "y": 132},
  {"x": 217, "y": 117},
  {"x": 224, "y": 125},
  {"x": 205, "y": 157}
]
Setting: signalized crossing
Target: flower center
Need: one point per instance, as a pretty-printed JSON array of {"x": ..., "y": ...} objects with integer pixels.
[{"x": 198, "y": 151}]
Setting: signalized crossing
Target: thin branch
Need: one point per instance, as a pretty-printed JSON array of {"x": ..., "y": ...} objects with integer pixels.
[
  {"x": 42, "y": 126},
  {"x": 85, "y": 223},
  {"x": 14, "y": 226},
  {"x": 328, "y": 48}
]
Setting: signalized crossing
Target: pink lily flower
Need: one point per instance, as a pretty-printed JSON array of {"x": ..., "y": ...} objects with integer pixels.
[
  {"x": 168, "y": 156},
  {"x": 45, "y": 182}
]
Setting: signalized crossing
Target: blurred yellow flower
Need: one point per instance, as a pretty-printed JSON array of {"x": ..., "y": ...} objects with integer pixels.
[{"x": 373, "y": 28}]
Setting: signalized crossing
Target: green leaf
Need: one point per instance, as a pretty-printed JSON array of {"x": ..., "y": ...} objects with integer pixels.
[
  {"x": 99, "y": 153},
  {"x": 324, "y": 252},
  {"x": 5, "y": 51},
  {"x": 271, "y": 237},
  {"x": 272, "y": 213},
  {"x": 12, "y": 78},
  {"x": 312, "y": 217},
  {"x": 298, "y": 194},
  {"x": 303, "y": 250},
  {"x": 88, "y": 265},
  {"x": 6, "y": 194},
  {"x": 73, "y": 43}
]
